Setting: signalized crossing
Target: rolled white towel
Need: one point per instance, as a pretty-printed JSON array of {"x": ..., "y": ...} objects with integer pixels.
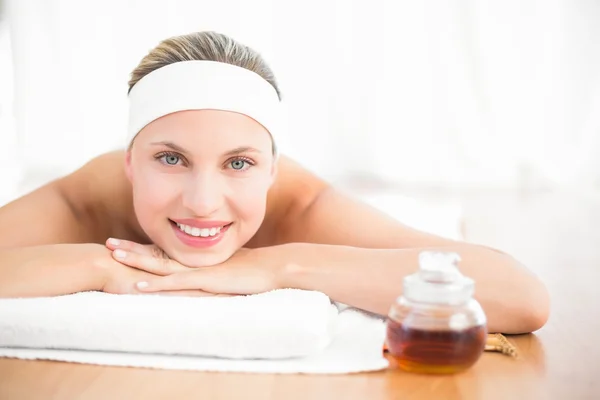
[{"x": 279, "y": 324}]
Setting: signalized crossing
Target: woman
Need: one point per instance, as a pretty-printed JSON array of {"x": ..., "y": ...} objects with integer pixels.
[{"x": 203, "y": 205}]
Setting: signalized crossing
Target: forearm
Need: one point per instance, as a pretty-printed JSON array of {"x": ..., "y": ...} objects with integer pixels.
[
  {"x": 49, "y": 270},
  {"x": 514, "y": 300}
]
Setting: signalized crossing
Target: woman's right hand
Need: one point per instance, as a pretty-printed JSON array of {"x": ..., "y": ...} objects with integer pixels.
[{"x": 122, "y": 279}]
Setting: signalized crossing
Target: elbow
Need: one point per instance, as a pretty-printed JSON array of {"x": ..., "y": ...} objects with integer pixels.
[
  {"x": 534, "y": 303},
  {"x": 527, "y": 311},
  {"x": 538, "y": 308},
  {"x": 521, "y": 303}
]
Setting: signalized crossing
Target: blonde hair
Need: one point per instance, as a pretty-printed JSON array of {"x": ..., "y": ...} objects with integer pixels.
[{"x": 208, "y": 45}]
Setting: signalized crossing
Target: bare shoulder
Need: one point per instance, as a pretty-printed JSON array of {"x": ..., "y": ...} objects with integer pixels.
[
  {"x": 295, "y": 187},
  {"x": 296, "y": 179},
  {"x": 71, "y": 209},
  {"x": 101, "y": 192}
]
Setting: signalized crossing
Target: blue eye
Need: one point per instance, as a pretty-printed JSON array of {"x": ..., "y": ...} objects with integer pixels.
[
  {"x": 169, "y": 158},
  {"x": 240, "y": 164}
]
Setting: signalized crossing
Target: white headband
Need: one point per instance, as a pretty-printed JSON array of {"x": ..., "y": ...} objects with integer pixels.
[{"x": 198, "y": 85}]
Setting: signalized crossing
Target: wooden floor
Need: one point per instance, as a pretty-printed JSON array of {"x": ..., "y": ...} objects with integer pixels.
[{"x": 555, "y": 234}]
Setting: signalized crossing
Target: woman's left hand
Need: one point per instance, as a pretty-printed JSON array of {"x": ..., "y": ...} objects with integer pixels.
[{"x": 248, "y": 271}]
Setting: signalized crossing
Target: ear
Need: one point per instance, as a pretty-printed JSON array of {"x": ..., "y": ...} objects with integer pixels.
[{"x": 128, "y": 169}]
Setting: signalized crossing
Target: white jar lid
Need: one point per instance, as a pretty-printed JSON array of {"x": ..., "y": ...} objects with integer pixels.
[{"x": 438, "y": 281}]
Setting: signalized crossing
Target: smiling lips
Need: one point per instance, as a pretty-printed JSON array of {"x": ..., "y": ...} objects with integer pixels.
[{"x": 196, "y": 233}]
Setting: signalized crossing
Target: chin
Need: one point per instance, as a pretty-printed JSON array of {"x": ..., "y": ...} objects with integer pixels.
[{"x": 199, "y": 260}]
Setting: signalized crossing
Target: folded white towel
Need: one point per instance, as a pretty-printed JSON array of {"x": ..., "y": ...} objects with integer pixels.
[{"x": 283, "y": 331}]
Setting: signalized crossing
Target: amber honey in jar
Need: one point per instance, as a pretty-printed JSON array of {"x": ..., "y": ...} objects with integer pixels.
[{"x": 436, "y": 326}]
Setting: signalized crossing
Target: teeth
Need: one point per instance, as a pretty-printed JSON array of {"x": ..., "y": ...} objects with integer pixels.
[{"x": 204, "y": 232}]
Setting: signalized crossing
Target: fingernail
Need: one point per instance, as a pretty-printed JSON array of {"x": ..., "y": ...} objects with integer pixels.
[
  {"x": 142, "y": 285},
  {"x": 120, "y": 254},
  {"x": 114, "y": 242}
]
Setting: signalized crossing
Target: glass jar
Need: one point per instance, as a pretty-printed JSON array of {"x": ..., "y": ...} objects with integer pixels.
[{"x": 436, "y": 326}]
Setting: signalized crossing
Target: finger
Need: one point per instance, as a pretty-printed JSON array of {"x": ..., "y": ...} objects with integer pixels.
[
  {"x": 154, "y": 265},
  {"x": 127, "y": 245},
  {"x": 201, "y": 279}
]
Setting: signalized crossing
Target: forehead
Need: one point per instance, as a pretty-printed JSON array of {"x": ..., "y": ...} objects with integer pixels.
[{"x": 206, "y": 127}]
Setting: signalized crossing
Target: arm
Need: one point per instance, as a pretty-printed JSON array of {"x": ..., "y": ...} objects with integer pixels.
[
  {"x": 361, "y": 260},
  {"x": 371, "y": 279},
  {"x": 43, "y": 249},
  {"x": 51, "y": 270},
  {"x": 48, "y": 239}
]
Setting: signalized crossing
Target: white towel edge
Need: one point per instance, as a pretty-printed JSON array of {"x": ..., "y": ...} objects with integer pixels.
[{"x": 79, "y": 357}]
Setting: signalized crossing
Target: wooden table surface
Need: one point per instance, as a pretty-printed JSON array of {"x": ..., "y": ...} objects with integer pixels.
[{"x": 557, "y": 235}]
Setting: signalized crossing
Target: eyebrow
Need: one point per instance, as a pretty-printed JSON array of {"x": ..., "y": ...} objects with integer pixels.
[
  {"x": 170, "y": 145},
  {"x": 236, "y": 151},
  {"x": 242, "y": 149}
]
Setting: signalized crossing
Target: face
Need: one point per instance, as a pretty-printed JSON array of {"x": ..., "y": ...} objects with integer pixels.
[{"x": 200, "y": 180}]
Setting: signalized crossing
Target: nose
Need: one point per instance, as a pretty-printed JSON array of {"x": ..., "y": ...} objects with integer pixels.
[{"x": 203, "y": 194}]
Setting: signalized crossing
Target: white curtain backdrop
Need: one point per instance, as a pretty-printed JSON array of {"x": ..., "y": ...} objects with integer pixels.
[{"x": 440, "y": 93}]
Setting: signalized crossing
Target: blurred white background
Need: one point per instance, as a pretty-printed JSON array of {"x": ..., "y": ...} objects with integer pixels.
[{"x": 379, "y": 93}]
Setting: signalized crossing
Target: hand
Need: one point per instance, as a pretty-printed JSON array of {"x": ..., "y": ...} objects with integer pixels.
[
  {"x": 145, "y": 257},
  {"x": 122, "y": 279},
  {"x": 248, "y": 271}
]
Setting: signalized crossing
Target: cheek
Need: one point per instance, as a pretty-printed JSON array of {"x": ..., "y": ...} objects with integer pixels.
[
  {"x": 249, "y": 198},
  {"x": 153, "y": 192}
]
